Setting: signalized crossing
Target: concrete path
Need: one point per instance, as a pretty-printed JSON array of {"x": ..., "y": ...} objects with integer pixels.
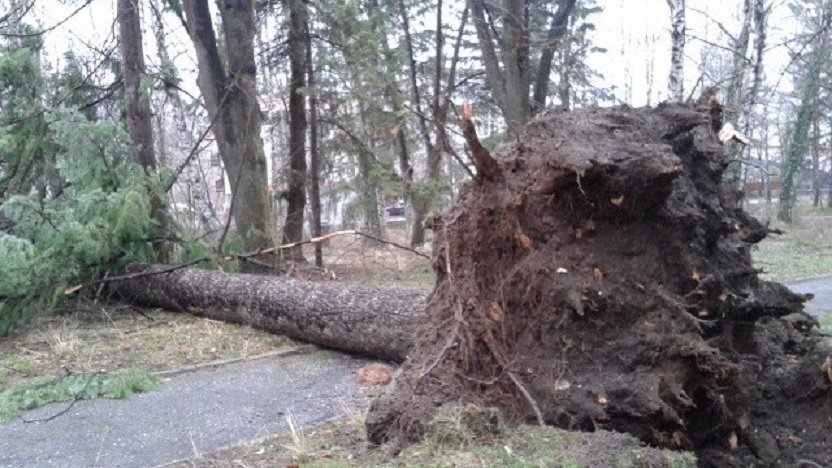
[
  {"x": 821, "y": 288},
  {"x": 191, "y": 413}
]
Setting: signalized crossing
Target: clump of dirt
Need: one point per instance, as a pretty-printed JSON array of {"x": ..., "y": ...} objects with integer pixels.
[{"x": 595, "y": 277}]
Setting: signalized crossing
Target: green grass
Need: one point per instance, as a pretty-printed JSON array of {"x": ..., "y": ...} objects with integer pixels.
[
  {"x": 38, "y": 392},
  {"x": 791, "y": 259},
  {"x": 826, "y": 322}
]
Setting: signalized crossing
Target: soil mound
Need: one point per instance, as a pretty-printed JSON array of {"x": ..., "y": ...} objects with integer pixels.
[{"x": 595, "y": 277}]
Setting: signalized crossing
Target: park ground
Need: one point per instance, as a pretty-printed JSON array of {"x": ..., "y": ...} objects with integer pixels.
[{"x": 122, "y": 350}]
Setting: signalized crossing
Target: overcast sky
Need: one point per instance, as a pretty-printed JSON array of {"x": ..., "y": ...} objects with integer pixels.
[{"x": 634, "y": 32}]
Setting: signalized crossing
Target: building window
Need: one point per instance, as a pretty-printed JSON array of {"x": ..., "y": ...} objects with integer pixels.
[
  {"x": 219, "y": 186},
  {"x": 215, "y": 160}
]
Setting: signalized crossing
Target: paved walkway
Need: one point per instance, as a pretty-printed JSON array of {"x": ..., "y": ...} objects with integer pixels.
[
  {"x": 821, "y": 288},
  {"x": 191, "y": 413}
]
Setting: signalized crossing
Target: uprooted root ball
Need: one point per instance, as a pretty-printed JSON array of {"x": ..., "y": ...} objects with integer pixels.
[{"x": 597, "y": 278}]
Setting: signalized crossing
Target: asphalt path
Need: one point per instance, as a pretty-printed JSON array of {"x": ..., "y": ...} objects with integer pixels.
[
  {"x": 821, "y": 288},
  {"x": 192, "y": 413}
]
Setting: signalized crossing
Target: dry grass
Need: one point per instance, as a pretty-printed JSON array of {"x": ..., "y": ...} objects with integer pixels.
[
  {"x": 359, "y": 260},
  {"x": 449, "y": 443},
  {"x": 104, "y": 340}
]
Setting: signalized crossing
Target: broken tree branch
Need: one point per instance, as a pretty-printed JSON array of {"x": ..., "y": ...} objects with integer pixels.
[{"x": 487, "y": 166}]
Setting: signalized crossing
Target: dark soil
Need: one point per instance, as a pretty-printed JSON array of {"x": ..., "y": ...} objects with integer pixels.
[{"x": 599, "y": 279}]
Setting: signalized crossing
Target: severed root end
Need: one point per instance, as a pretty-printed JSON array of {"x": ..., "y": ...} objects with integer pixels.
[{"x": 487, "y": 166}]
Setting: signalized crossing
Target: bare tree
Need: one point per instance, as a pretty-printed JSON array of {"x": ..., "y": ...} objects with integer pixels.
[
  {"x": 798, "y": 143},
  {"x": 677, "y": 53}
]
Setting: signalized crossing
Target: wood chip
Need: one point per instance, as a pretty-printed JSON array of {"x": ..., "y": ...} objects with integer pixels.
[
  {"x": 495, "y": 312},
  {"x": 524, "y": 240}
]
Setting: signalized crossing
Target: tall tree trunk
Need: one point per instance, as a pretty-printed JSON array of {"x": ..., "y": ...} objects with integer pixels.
[
  {"x": 231, "y": 100},
  {"x": 799, "y": 134},
  {"x": 677, "y": 54},
  {"x": 735, "y": 110},
  {"x": 139, "y": 122},
  {"x": 423, "y": 199},
  {"x": 368, "y": 196},
  {"x": 565, "y": 85},
  {"x": 493, "y": 72},
  {"x": 394, "y": 97},
  {"x": 510, "y": 80},
  {"x": 296, "y": 196},
  {"x": 829, "y": 195},
  {"x": 515, "y": 53},
  {"x": 440, "y": 115},
  {"x": 375, "y": 322},
  {"x": 133, "y": 70},
  {"x": 816, "y": 198},
  {"x": 557, "y": 30},
  {"x": 314, "y": 154}
]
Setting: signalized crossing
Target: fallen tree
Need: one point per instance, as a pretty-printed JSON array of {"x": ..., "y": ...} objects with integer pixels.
[
  {"x": 592, "y": 276},
  {"x": 371, "y": 321}
]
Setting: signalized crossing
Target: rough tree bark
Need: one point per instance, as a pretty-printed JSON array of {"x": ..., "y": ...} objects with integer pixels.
[
  {"x": 231, "y": 98},
  {"x": 374, "y": 322},
  {"x": 296, "y": 193}
]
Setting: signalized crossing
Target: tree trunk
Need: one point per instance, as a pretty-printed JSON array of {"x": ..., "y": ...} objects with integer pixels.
[
  {"x": 422, "y": 200},
  {"x": 296, "y": 196},
  {"x": 139, "y": 122},
  {"x": 493, "y": 72},
  {"x": 132, "y": 61},
  {"x": 735, "y": 110},
  {"x": 799, "y": 134},
  {"x": 515, "y": 52},
  {"x": 232, "y": 105},
  {"x": 314, "y": 154},
  {"x": 677, "y": 54},
  {"x": 368, "y": 195},
  {"x": 816, "y": 197},
  {"x": 375, "y": 322},
  {"x": 557, "y": 30},
  {"x": 829, "y": 194}
]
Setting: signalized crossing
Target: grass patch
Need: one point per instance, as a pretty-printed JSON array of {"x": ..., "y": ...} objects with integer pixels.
[
  {"x": 458, "y": 437},
  {"x": 805, "y": 249},
  {"x": 154, "y": 340},
  {"x": 41, "y": 391},
  {"x": 826, "y": 322}
]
